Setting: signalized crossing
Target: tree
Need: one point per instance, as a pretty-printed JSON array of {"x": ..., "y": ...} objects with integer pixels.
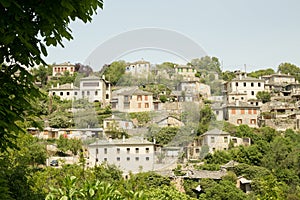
[
  {"x": 27, "y": 28},
  {"x": 288, "y": 68},
  {"x": 261, "y": 72},
  {"x": 264, "y": 96},
  {"x": 115, "y": 71},
  {"x": 209, "y": 64}
]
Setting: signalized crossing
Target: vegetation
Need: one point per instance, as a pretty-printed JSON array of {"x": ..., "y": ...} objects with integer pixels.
[{"x": 264, "y": 96}]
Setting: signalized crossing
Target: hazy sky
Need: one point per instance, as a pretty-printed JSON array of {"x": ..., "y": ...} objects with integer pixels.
[{"x": 258, "y": 33}]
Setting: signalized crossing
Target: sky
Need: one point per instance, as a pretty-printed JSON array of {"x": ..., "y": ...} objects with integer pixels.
[{"x": 256, "y": 34}]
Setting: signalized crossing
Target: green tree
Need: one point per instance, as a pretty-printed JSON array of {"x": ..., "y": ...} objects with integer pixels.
[
  {"x": 207, "y": 63},
  {"x": 261, "y": 72},
  {"x": 228, "y": 75},
  {"x": 264, "y": 96},
  {"x": 114, "y": 71},
  {"x": 288, "y": 68},
  {"x": 27, "y": 28}
]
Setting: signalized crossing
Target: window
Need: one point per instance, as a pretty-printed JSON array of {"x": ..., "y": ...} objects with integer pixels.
[
  {"x": 252, "y": 84},
  {"x": 128, "y": 150},
  {"x": 97, "y": 151},
  {"x": 105, "y": 159},
  {"x": 75, "y": 93},
  {"x": 118, "y": 150},
  {"x": 126, "y": 105},
  {"x": 82, "y": 93},
  {"x": 197, "y": 150},
  {"x": 245, "y": 84},
  {"x": 107, "y": 96},
  {"x": 147, "y": 150},
  {"x": 88, "y": 93},
  {"x": 139, "y": 97},
  {"x": 256, "y": 103},
  {"x": 96, "y": 93},
  {"x": 212, "y": 139},
  {"x": 242, "y": 98},
  {"x": 254, "y": 111},
  {"x": 118, "y": 159},
  {"x": 61, "y": 93},
  {"x": 137, "y": 158},
  {"x": 233, "y": 111},
  {"x": 242, "y": 111},
  {"x": 68, "y": 93},
  {"x": 252, "y": 92},
  {"x": 105, "y": 150},
  {"x": 137, "y": 150},
  {"x": 53, "y": 93},
  {"x": 259, "y": 84},
  {"x": 96, "y": 159},
  {"x": 232, "y": 98},
  {"x": 128, "y": 158},
  {"x": 217, "y": 112},
  {"x": 226, "y": 139},
  {"x": 239, "y": 121},
  {"x": 139, "y": 105},
  {"x": 252, "y": 121},
  {"x": 147, "y": 158},
  {"x": 234, "y": 140},
  {"x": 213, "y": 149},
  {"x": 236, "y": 84},
  {"x": 126, "y": 98},
  {"x": 146, "y": 97},
  {"x": 146, "y": 105}
]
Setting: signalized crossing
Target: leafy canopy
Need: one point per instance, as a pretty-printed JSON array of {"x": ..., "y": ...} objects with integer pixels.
[{"x": 26, "y": 29}]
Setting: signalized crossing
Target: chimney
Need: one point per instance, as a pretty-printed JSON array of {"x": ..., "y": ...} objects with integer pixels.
[
  {"x": 57, "y": 85},
  {"x": 72, "y": 85},
  {"x": 123, "y": 138},
  {"x": 237, "y": 102}
]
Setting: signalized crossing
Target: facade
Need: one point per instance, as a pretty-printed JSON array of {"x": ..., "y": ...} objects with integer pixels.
[
  {"x": 92, "y": 88},
  {"x": 214, "y": 139},
  {"x": 243, "y": 88},
  {"x": 138, "y": 68},
  {"x": 117, "y": 123},
  {"x": 169, "y": 121},
  {"x": 279, "y": 79},
  {"x": 195, "y": 87},
  {"x": 95, "y": 89},
  {"x": 65, "y": 92},
  {"x": 59, "y": 69},
  {"x": 130, "y": 155},
  {"x": 133, "y": 100},
  {"x": 188, "y": 72},
  {"x": 242, "y": 113}
]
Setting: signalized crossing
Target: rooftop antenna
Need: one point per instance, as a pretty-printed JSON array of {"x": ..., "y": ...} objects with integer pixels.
[{"x": 245, "y": 68}]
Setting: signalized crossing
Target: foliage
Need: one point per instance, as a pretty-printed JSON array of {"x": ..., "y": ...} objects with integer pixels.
[
  {"x": 167, "y": 193},
  {"x": 114, "y": 71},
  {"x": 27, "y": 28},
  {"x": 163, "y": 135},
  {"x": 206, "y": 117},
  {"x": 288, "y": 68},
  {"x": 264, "y": 96},
  {"x": 64, "y": 144},
  {"x": 228, "y": 75},
  {"x": 261, "y": 72},
  {"x": 142, "y": 117},
  {"x": 207, "y": 63}
]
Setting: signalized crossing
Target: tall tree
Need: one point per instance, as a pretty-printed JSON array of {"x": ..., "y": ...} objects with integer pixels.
[
  {"x": 27, "y": 28},
  {"x": 114, "y": 71},
  {"x": 288, "y": 68}
]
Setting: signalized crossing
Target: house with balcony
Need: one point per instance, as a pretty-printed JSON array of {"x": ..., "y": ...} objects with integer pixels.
[
  {"x": 243, "y": 88},
  {"x": 60, "y": 69},
  {"x": 130, "y": 155},
  {"x": 132, "y": 100}
]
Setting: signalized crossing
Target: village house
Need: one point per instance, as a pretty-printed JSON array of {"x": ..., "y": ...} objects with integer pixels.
[
  {"x": 133, "y": 100},
  {"x": 194, "y": 87},
  {"x": 130, "y": 155},
  {"x": 242, "y": 113},
  {"x": 187, "y": 72},
  {"x": 92, "y": 88},
  {"x": 214, "y": 140},
  {"x": 117, "y": 123},
  {"x": 242, "y": 88},
  {"x": 138, "y": 68},
  {"x": 59, "y": 69},
  {"x": 65, "y": 92}
]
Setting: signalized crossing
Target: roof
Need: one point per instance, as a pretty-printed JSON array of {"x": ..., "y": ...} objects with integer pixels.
[
  {"x": 128, "y": 141},
  {"x": 244, "y": 181},
  {"x": 135, "y": 91},
  {"x": 231, "y": 163},
  {"x": 215, "y": 131},
  {"x": 278, "y": 75},
  {"x": 241, "y": 104},
  {"x": 247, "y": 79},
  {"x": 67, "y": 86},
  {"x": 64, "y": 64},
  {"x": 184, "y": 66},
  {"x": 199, "y": 174},
  {"x": 91, "y": 78},
  {"x": 138, "y": 62}
]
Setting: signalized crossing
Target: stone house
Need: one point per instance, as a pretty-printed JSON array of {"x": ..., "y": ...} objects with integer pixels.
[
  {"x": 130, "y": 155},
  {"x": 66, "y": 91},
  {"x": 242, "y": 88},
  {"x": 133, "y": 100},
  {"x": 187, "y": 72},
  {"x": 242, "y": 113},
  {"x": 59, "y": 69},
  {"x": 117, "y": 123},
  {"x": 138, "y": 68}
]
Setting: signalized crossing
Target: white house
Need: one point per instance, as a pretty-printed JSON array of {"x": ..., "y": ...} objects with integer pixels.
[
  {"x": 138, "y": 68},
  {"x": 243, "y": 88},
  {"x": 66, "y": 91},
  {"x": 130, "y": 155}
]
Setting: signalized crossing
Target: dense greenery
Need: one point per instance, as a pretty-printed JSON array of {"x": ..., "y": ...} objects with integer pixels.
[{"x": 114, "y": 71}]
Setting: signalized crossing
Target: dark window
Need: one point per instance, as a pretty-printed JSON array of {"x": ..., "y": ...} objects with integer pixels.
[
  {"x": 128, "y": 150},
  {"x": 75, "y": 93},
  {"x": 137, "y": 158},
  {"x": 61, "y": 93},
  {"x": 118, "y": 159},
  {"x": 137, "y": 150},
  {"x": 245, "y": 84},
  {"x": 147, "y": 150},
  {"x": 128, "y": 158},
  {"x": 107, "y": 96},
  {"x": 53, "y": 93},
  {"x": 236, "y": 84},
  {"x": 96, "y": 93},
  {"x": 68, "y": 93},
  {"x": 252, "y": 92},
  {"x": 118, "y": 150},
  {"x": 88, "y": 93},
  {"x": 252, "y": 84},
  {"x": 147, "y": 158},
  {"x": 105, "y": 159},
  {"x": 105, "y": 150},
  {"x": 258, "y": 84}
]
